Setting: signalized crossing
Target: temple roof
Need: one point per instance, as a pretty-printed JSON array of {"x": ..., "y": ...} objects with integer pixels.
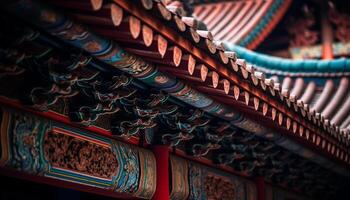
[
  {"x": 305, "y": 86},
  {"x": 245, "y": 23},
  {"x": 169, "y": 52},
  {"x": 209, "y": 68},
  {"x": 329, "y": 98}
]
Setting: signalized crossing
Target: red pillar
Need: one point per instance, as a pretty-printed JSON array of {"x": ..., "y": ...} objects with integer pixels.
[
  {"x": 260, "y": 187},
  {"x": 327, "y": 33},
  {"x": 161, "y": 153}
]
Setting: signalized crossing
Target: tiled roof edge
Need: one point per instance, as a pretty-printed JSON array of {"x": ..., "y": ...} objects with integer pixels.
[
  {"x": 266, "y": 24},
  {"x": 283, "y": 66}
]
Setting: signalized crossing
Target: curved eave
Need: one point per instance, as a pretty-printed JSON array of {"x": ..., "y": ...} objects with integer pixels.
[
  {"x": 290, "y": 67},
  {"x": 246, "y": 23},
  {"x": 329, "y": 98}
]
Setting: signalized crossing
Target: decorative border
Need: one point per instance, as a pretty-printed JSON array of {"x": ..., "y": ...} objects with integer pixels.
[
  {"x": 75, "y": 176},
  {"x": 339, "y": 49},
  {"x": 179, "y": 178},
  {"x": 27, "y": 146},
  {"x": 147, "y": 182},
  {"x": 193, "y": 185}
]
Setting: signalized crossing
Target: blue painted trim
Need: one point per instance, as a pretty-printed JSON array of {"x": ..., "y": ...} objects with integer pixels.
[{"x": 289, "y": 65}]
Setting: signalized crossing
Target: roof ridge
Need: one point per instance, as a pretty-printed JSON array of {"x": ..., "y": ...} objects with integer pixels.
[{"x": 283, "y": 66}]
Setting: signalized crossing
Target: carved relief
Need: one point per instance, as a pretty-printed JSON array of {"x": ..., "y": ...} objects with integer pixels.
[
  {"x": 55, "y": 78},
  {"x": 48, "y": 73},
  {"x": 145, "y": 110},
  {"x": 147, "y": 182},
  {"x": 206, "y": 140},
  {"x": 179, "y": 178},
  {"x": 203, "y": 149},
  {"x": 32, "y": 145},
  {"x": 181, "y": 126},
  {"x": 217, "y": 188},
  {"x": 128, "y": 179},
  {"x": 195, "y": 176},
  {"x": 26, "y": 134},
  {"x": 207, "y": 183},
  {"x": 176, "y": 138},
  {"x": 99, "y": 95},
  {"x": 70, "y": 153}
]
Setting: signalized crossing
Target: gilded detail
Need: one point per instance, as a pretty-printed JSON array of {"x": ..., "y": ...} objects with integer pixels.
[
  {"x": 218, "y": 188},
  {"x": 71, "y": 153}
]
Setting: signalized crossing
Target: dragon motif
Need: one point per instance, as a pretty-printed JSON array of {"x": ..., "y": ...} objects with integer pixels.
[
  {"x": 217, "y": 188},
  {"x": 203, "y": 149},
  {"x": 27, "y": 131},
  {"x": 181, "y": 126},
  {"x": 100, "y": 95},
  {"x": 55, "y": 78},
  {"x": 175, "y": 139},
  {"x": 70, "y": 153},
  {"x": 147, "y": 111}
]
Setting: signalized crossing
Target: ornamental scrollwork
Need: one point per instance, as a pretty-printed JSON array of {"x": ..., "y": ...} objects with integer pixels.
[
  {"x": 181, "y": 127},
  {"x": 71, "y": 153},
  {"x": 99, "y": 95},
  {"x": 26, "y": 136},
  {"x": 141, "y": 114},
  {"x": 217, "y": 188}
]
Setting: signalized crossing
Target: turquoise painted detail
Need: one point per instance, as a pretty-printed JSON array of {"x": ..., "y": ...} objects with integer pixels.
[
  {"x": 22, "y": 131},
  {"x": 57, "y": 173},
  {"x": 289, "y": 65},
  {"x": 42, "y": 147},
  {"x": 129, "y": 162}
]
